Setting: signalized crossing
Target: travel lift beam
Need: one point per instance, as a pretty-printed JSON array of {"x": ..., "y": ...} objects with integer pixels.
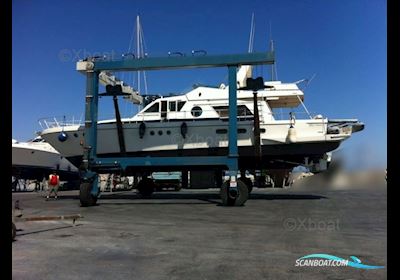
[{"x": 232, "y": 192}]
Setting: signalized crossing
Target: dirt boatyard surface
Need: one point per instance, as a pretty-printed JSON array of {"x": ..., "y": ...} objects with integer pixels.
[{"x": 188, "y": 235}]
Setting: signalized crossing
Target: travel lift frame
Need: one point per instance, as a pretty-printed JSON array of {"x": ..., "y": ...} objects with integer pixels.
[{"x": 233, "y": 192}]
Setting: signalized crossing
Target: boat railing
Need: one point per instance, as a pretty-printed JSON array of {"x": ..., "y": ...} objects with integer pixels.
[
  {"x": 297, "y": 115},
  {"x": 247, "y": 114},
  {"x": 59, "y": 121},
  {"x": 223, "y": 114}
]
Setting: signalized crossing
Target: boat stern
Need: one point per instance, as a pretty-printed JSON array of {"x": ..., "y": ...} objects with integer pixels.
[{"x": 344, "y": 126}]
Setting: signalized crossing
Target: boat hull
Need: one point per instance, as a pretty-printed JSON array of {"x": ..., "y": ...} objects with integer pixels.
[
  {"x": 35, "y": 163},
  {"x": 204, "y": 138},
  {"x": 280, "y": 156},
  {"x": 38, "y": 173}
]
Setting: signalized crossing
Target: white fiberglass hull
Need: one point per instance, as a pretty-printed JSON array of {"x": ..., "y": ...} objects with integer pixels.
[
  {"x": 35, "y": 158},
  {"x": 206, "y": 135}
]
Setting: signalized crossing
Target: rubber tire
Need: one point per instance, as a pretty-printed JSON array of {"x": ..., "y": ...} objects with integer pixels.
[
  {"x": 286, "y": 182},
  {"x": 248, "y": 183},
  {"x": 146, "y": 187},
  {"x": 14, "y": 231},
  {"x": 85, "y": 196},
  {"x": 279, "y": 181},
  {"x": 240, "y": 199},
  {"x": 218, "y": 177}
]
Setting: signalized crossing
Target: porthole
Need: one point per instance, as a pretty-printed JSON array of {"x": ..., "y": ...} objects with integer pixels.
[
  {"x": 196, "y": 111},
  {"x": 160, "y": 132},
  {"x": 242, "y": 130},
  {"x": 152, "y": 132},
  {"x": 262, "y": 130},
  {"x": 168, "y": 132},
  {"x": 76, "y": 135}
]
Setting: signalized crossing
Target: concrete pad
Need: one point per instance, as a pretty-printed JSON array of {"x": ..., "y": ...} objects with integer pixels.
[{"x": 188, "y": 235}]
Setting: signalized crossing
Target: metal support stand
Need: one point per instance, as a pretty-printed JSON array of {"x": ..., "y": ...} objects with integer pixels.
[
  {"x": 89, "y": 189},
  {"x": 257, "y": 138},
  {"x": 233, "y": 148},
  {"x": 120, "y": 130}
]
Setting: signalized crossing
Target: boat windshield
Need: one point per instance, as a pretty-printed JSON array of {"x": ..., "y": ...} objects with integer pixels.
[
  {"x": 155, "y": 108},
  {"x": 37, "y": 140}
]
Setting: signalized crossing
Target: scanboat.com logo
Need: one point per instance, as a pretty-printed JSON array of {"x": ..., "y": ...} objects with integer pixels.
[{"x": 330, "y": 260}]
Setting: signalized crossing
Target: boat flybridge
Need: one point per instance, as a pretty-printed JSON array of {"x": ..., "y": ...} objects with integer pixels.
[{"x": 196, "y": 124}]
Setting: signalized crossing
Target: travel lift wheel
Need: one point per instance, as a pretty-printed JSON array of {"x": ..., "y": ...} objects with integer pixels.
[
  {"x": 85, "y": 195},
  {"x": 234, "y": 197},
  {"x": 14, "y": 231},
  {"x": 247, "y": 182},
  {"x": 279, "y": 181},
  {"x": 146, "y": 187},
  {"x": 280, "y": 177}
]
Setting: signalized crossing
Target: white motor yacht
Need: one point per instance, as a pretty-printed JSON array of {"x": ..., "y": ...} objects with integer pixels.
[
  {"x": 36, "y": 159},
  {"x": 196, "y": 124}
]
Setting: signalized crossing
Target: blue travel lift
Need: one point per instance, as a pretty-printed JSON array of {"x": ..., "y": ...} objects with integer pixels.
[{"x": 233, "y": 192}]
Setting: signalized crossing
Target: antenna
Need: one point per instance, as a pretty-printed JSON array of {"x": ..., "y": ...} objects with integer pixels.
[
  {"x": 307, "y": 81},
  {"x": 252, "y": 31},
  {"x": 274, "y": 74}
]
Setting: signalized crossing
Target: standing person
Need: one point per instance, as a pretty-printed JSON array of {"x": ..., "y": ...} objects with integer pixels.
[
  {"x": 44, "y": 182},
  {"x": 53, "y": 183}
]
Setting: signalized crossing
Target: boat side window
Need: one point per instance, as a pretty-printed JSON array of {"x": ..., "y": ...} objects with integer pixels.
[
  {"x": 154, "y": 109},
  {"x": 242, "y": 110},
  {"x": 223, "y": 111},
  {"x": 172, "y": 106},
  {"x": 180, "y": 104}
]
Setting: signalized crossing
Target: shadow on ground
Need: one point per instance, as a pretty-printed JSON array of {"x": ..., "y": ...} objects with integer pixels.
[{"x": 204, "y": 197}]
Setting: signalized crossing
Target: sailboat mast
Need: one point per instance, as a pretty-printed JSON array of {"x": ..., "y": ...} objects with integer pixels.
[
  {"x": 138, "y": 48},
  {"x": 251, "y": 39},
  {"x": 274, "y": 75}
]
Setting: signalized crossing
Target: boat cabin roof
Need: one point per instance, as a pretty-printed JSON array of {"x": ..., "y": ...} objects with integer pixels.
[{"x": 277, "y": 95}]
